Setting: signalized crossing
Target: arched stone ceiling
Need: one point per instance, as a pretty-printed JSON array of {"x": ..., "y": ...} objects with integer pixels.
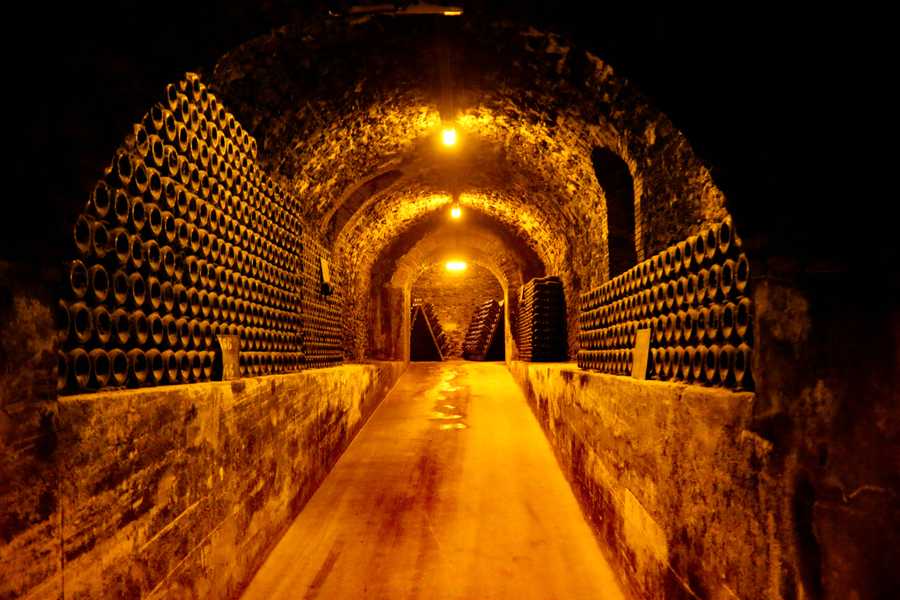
[
  {"x": 732, "y": 97},
  {"x": 477, "y": 237},
  {"x": 477, "y": 245},
  {"x": 394, "y": 214},
  {"x": 347, "y": 114},
  {"x": 479, "y": 233},
  {"x": 335, "y": 104}
]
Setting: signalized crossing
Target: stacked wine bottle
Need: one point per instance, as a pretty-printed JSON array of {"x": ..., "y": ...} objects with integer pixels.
[
  {"x": 322, "y": 321},
  {"x": 482, "y": 330},
  {"x": 542, "y": 320},
  {"x": 693, "y": 297},
  {"x": 183, "y": 239},
  {"x": 440, "y": 336}
]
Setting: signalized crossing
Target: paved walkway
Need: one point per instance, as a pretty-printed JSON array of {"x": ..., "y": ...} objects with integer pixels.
[{"x": 450, "y": 491}]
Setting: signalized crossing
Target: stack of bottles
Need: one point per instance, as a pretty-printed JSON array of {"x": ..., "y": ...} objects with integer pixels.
[
  {"x": 542, "y": 320},
  {"x": 322, "y": 321},
  {"x": 183, "y": 239},
  {"x": 430, "y": 341},
  {"x": 693, "y": 296},
  {"x": 440, "y": 335},
  {"x": 485, "y": 327}
]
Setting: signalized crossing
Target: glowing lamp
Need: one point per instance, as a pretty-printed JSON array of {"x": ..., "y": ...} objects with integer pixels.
[
  {"x": 448, "y": 137},
  {"x": 456, "y": 266},
  {"x": 455, "y": 211}
]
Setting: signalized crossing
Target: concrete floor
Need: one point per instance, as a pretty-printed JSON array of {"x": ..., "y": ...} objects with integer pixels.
[{"x": 450, "y": 491}]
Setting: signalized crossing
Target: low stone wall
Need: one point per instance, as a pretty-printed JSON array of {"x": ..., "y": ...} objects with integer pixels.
[
  {"x": 671, "y": 478},
  {"x": 181, "y": 491}
]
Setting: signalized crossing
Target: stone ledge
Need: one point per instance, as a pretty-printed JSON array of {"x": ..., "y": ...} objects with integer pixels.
[
  {"x": 668, "y": 474},
  {"x": 180, "y": 491},
  {"x": 213, "y": 386}
]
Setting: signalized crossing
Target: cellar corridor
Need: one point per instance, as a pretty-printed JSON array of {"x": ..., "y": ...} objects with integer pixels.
[
  {"x": 431, "y": 299},
  {"x": 449, "y": 491}
]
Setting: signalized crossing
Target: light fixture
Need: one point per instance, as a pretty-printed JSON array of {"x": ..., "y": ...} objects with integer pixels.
[
  {"x": 455, "y": 211},
  {"x": 448, "y": 136},
  {"x": 456, "y": 266}
]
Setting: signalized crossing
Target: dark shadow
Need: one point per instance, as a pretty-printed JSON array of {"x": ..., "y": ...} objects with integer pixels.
[
  {"x": 422, "y": 344},
  {"x": 497, "y": 348},
  {"x": 615, "y": 179},
  {"x": 485, "y": 335},
  {"x": 809, "y": 552}
]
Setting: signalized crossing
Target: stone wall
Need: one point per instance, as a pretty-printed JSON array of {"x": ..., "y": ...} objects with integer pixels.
[
  {"x": 828, "y": 361},
  {"x": 787, "y": 493},
  {"x": 29, "y": 477},
  {"x": 455, "y": 297},
  {"x": 178, "y": 491},
  {"x": 670, "y": 477}
]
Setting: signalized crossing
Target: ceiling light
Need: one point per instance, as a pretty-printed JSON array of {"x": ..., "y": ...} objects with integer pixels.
[
  {"x": 448, "y": 136},
  {"x": 455, "y": 211},
  {"x": 456, "y": 266}
]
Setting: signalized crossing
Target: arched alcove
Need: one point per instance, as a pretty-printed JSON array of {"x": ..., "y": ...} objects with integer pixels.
[{"x": 618, "y": 189}]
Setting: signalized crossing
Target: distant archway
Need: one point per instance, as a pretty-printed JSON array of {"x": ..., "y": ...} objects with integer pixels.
[{"x": 456, "y": 298}]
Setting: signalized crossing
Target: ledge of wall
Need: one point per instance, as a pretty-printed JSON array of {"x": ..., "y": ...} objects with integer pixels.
[
  {"x": 669, "y": 475},
  {"x": 181, "y": 491}
]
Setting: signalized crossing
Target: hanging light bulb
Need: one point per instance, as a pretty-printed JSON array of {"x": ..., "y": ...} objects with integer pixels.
[{"x": 456, "y": 266}]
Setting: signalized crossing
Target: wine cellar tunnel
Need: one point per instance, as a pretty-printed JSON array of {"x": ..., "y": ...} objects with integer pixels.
[{"x": 542, "y": 264}]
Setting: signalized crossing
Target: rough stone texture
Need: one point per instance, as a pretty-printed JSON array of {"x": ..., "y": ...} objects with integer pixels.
[
  {"x": 671, "y": 477},
  {"x": 348, "y": 114},
  {"x": 828, "y": 401},
  {"x": 392, "y": 114},
  {"x": 181, "y": 491},
  {"x": 29, "y": 483},
  {"x": 455, "y": 297},
  {"x": 705, "y": 493}
]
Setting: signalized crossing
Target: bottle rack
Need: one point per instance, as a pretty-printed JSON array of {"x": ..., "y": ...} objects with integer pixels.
[
  {"x": 541, "y": 321},
  {"x": 486, "y": 325},
  {"x": 693, "y": 296}
]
